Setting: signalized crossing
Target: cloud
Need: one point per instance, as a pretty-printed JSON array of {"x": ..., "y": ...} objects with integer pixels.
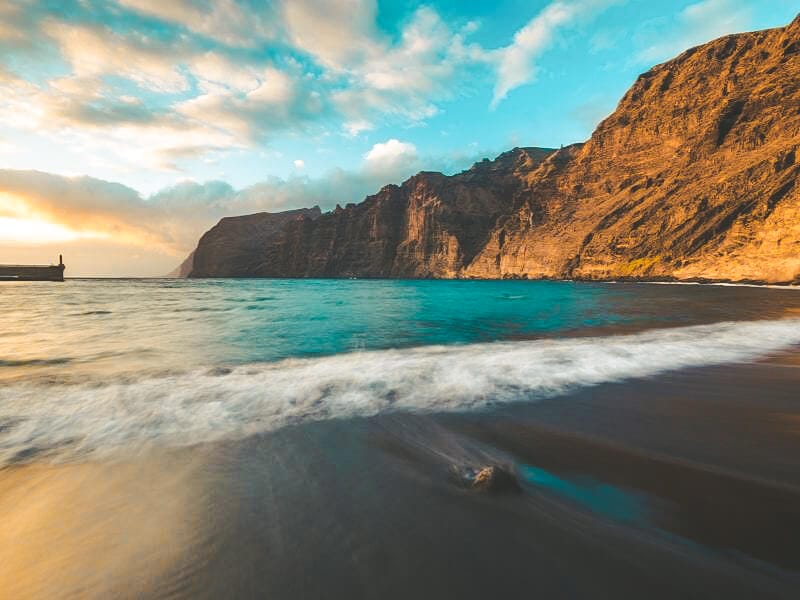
[
  {"x": 337, "y": 33},
  {"x": 81, "y": 204},
  {"x": 696, "y": 24},
  {"x": 428, "y": 63},
  {"x": 326, "y": 65},
  {"x": 10, "y": 14},
  {"x": 154, "y": 84},
  {"x": 88, "y": 118},
  {"x": 299, "y": 164},
  {"x": 143, "y": 85},
  {"x": 166, "y": 225},
  {"x": 94, "y": 51},
  {"x": 516, "y": 63},
  {"x": 277, "y": 102},
  {"x": 227, "y": 21},
  {"x": 391, "y": 154}
]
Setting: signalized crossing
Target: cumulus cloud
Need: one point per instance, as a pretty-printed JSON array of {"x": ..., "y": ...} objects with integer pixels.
[
  {"x": 697, "y": 24},
  {"x": 391, "y": 154}
]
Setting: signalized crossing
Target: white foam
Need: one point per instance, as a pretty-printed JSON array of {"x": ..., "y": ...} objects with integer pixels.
[
  {"x": 771, "y": 286},
  {"x": 203, "y": 405}
]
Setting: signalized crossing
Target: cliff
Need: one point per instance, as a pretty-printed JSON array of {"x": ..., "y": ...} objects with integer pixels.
[
  {"x": 694, "y": 176},
  {"x": 235, "y": 246},
  {"x": 184, "y": 269}
]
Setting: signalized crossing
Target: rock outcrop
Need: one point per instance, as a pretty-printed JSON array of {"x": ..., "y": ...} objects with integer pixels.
[
  {"x": 234, "y": 246},
  {"x": 694, "y": 176},
  {"x": 492, "y": 479}
]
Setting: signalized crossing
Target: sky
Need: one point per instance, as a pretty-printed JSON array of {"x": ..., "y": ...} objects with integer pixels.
[{"x": 129, "y": 127}]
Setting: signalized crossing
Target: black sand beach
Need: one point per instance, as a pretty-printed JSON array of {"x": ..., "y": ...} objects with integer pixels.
[{"x": 685, "y": 485}]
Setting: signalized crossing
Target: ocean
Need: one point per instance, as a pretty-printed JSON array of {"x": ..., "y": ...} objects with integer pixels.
[{"x": 298, "y": 439}]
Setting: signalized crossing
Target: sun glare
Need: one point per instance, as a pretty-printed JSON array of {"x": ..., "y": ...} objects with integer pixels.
[{"x": 30, "y": 231}]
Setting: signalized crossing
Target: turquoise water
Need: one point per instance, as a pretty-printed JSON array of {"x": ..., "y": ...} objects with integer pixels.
[
  {"x": 112, "y": 326},
  {"x": 298, "y": 439},
  {"x": 90, "y": 365},
  {"x": 599, "y": 497}
]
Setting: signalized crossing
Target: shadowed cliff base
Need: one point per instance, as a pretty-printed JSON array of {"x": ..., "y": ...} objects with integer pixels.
[{"x": 693, "y": 177}]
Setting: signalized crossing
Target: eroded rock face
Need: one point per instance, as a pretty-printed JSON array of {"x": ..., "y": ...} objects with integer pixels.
[
  {"x": 693, "y": 176},
  {"x": 234, "y": 247},
  {"x": 430, "y": 226}
]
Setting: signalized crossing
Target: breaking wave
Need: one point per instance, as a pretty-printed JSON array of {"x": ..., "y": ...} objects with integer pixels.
[{"x": 68, "y": 421}]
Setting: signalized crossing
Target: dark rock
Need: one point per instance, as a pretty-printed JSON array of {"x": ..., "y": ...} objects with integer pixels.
[{"x": 490, "y": 479}]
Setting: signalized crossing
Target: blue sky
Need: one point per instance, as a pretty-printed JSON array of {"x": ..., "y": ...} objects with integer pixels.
[{"x": 156, "y": 117}]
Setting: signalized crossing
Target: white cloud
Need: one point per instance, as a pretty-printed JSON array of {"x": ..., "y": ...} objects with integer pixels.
[
  {"x": 175, "y": 216},
  {"x": 516, "y": 63},
  {"x": 9, "y": 15},
  {"x": 696, "y": 24},
  {"x": 226, "y": 21},
  {"x": 83, "y": 115},
  {"x": 279, "y": 101},
  {"x": 299, "y": 164},
  {"x": 305, "y": 66},
  {"x": 406, "y": 78},
  {"x": 331, "y": 68},
  {"x": 337, "y": 33},
  {"x": 356, "y": 127},
  {"x": 95, "y": 51},
  {"x": 391, "y": 154},
  {"x": 213, "y": 69}
]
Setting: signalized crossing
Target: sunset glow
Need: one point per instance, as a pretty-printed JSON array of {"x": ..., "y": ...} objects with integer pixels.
[
  {"x": 30, "y": 231},
  {"x": 136, "y": 125}
]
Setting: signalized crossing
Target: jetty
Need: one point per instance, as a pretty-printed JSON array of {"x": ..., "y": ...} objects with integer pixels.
[{"x": 33, "y": 272}]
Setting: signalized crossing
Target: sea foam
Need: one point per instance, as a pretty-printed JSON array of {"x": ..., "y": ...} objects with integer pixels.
[{"x": 63, "y": 421}]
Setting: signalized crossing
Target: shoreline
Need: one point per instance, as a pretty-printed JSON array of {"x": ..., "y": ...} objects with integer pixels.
[
  {"x": 672, "y": 473},
  {"x": 792, "y": 285}
]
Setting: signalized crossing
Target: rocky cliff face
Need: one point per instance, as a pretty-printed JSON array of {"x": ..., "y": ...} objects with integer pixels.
[
  {"x": 234, "y": 246},
  {"x": 694, "y": 176}
]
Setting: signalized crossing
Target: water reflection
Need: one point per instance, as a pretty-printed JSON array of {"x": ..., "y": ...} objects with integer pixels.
[{"x": 599, "y": 497}]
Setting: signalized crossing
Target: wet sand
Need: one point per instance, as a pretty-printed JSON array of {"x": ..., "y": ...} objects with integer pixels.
[{"x": 686, "y": 485}]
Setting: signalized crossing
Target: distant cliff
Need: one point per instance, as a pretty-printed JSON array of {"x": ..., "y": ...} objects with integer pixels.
[
  {"x": 694, "y": 176},
  {"x": 235, "y": 246}
]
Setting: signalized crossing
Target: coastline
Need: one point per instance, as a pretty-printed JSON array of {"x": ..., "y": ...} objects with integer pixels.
[
  {"x": 230, "y": 438},
  {"x": 665, "y": 281},
  {"x": 682, "y": 485}
]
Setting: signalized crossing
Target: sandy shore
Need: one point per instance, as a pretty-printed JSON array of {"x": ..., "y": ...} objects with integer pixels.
[{"x": 683, "y": 486}]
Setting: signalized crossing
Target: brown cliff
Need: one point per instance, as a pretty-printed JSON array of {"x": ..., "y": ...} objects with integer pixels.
[
  {"x": 232, "y": 248},
  {"x": 694, "y": 176}
]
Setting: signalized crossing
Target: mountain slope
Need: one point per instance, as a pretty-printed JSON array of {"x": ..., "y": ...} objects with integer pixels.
[{"x": 694, "y": 176}]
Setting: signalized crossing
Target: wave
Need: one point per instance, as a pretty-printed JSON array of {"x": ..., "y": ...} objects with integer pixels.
[
  {"x": 216, "y": 403},
  {"x": 34, "y": 362}
]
